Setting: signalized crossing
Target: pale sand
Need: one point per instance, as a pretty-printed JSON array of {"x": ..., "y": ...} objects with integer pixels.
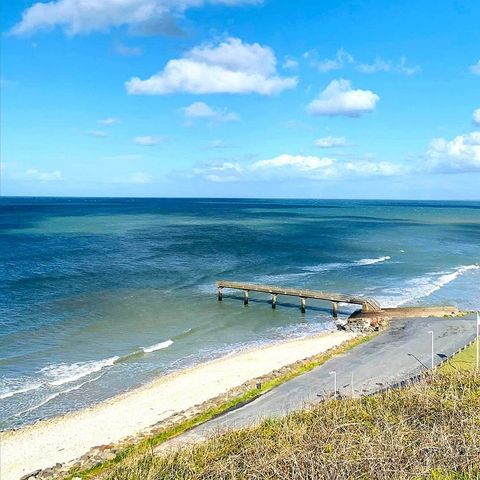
[{"x": 66, "y": 438}]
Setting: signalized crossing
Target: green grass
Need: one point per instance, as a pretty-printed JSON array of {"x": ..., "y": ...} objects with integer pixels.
[
  {"x": 465, "y": 360},
  {"x": 428, "y": 430},
  {"x": 147, "y": 444}
]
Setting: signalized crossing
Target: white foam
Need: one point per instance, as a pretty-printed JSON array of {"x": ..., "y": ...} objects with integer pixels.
[
  {"x": 62, "y": 373},
  {"x": 421, "y": 287},
  {"x": 372, "y": 261},
  {"x": 158, "y": 346},
  {"x": 327, "y": 267},
  {"x": 10, "y": 393},
  {"x": 55, "y": 395}
]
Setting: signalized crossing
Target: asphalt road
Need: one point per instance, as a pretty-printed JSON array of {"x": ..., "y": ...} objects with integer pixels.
[{"x": 399, "y": 353}]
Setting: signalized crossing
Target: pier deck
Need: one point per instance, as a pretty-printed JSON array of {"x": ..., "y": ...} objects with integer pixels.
[{"x": 368, "y": 304}]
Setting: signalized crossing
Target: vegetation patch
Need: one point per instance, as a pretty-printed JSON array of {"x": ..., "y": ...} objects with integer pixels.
[
  {"x": 428, "y": 430},
  {"x": 145, "y": 447}
]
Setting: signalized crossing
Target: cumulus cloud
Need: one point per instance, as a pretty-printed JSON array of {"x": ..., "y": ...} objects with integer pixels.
[
  {"x": 229, "y": 67},
  {"x": 109, "y": 121},
  {"x": 475, "y": 68},
  {"x": 287, "y": 167},
  {"x": 299, "y": 162},
  {"x": 476, "y": 117},
  {"x": 329, "y": 142},
  {"x": 339, "y": 98},
  {"x": 34, "y": 174},
  {"x": 147, "y": 140},
  {"x": 203, "y": 111},
  {"x": 81, "y": 16},
  {"x": 462, "y": 154}
]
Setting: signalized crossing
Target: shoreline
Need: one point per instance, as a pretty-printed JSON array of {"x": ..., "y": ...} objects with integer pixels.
[{"x": 65, "y": 438}]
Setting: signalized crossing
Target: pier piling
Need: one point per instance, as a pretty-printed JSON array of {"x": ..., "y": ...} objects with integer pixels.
[
  {"x": 245, "y": 297},
  {"x": 220, "y": 294},
  {"x": 303, "y": 304},
  {"x": 274, "y": 300},
  {"x": 335, "y": 309}
]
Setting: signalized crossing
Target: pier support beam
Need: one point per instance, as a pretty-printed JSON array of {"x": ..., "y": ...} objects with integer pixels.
[
  {"x": 303, "y": 304},
  {"x": 245, "y": 297},
  {"x": 335, "y": 309},
  {"x": 274, "y": 300},
  {"x": 220, "y": 294}
]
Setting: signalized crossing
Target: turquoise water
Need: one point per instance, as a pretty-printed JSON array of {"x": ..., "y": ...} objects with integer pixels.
[{"x": 103, "y": 295}]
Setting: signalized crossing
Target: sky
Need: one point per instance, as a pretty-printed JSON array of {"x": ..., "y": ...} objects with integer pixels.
[{"x": 241, "y": 98}]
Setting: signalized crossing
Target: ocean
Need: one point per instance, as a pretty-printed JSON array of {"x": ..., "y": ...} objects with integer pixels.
[{"x": 99, "y": 296}]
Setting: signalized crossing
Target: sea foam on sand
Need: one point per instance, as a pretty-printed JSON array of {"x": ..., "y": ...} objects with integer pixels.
[{"x": 64, "y": 439}]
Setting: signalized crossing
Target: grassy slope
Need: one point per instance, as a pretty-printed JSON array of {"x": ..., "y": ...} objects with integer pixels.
[
  {"x": 134, "y": 451},
  {"x": 427, "y": 430}
]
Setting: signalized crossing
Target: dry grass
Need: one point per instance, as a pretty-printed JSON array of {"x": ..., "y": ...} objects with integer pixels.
[{"x": 427, "y": 430}]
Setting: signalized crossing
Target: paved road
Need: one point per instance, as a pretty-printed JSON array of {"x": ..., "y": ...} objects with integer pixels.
[{"x": 402, "y": 351}]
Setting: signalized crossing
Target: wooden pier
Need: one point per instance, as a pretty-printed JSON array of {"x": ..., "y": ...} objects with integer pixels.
[{"x": 368, "y": 304}]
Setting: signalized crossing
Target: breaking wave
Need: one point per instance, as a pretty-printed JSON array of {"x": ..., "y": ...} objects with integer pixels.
[
  {"x": 158, "y": 346},
  {"x": 421, "y": 287}
]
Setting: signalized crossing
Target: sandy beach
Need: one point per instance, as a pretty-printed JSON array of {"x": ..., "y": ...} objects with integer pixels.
[{"x": 66, "y": 438}]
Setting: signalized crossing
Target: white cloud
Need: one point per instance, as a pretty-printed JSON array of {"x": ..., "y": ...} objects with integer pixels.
[
  {"x": 147, "y": 140},
  {"x": 462, "y": 154},
  {"x": 329, "y": 142},
  {"x": 220, "y": 172},
  {"x": 290, "y": 63},
  {"x": 475, "y": 68},
  {"x": 380, "y": 65},
  {"x": 402, "y": 67},
  {"x": 476, "y": 117},
  {"x": 34, "y": 174},
  {"x": 203, "y": 111},
  {"x": 341, "y": 59},
  {"x": 305, "y": 167},
  {"x": 126, "y": 51},
  {"x": 368, "y": 169},
  {"x": 98, "y": 133},
  {"x": 110, "y": 121},
  {"x": 140, "y": 178},
  {"x": 85, "y": 16},
  {"x": 229, "y": 67},
  {"x": 339, "y": 98},
  {"x": 299, "y": 162}
]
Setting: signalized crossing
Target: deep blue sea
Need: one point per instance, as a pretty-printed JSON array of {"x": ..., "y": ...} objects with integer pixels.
[{"x": 99, "y": 296}]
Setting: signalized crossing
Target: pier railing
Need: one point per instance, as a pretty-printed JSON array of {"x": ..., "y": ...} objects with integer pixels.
[{"x": 368, "y": 304}]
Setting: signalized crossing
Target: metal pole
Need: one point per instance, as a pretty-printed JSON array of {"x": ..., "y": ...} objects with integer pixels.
[
  {"x": 433, "y": 359},
  {"x": 334, "y": 383}
]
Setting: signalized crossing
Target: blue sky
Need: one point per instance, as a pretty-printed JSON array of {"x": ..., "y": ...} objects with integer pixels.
[{"x": 243, "y": 98}]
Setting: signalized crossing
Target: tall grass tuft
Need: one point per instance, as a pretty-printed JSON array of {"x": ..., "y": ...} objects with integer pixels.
[{"x": 429, "y": 429}]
